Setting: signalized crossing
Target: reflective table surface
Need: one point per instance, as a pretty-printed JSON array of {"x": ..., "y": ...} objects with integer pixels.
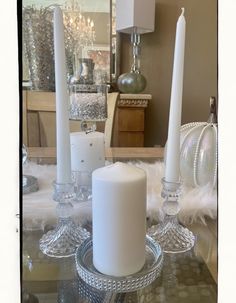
[
  {"x": 185, "y": 277},
  {"x": 189, "y": 277}
]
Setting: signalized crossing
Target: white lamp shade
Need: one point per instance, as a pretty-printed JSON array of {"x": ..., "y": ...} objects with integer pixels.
[{"x": 135, "y": 13}]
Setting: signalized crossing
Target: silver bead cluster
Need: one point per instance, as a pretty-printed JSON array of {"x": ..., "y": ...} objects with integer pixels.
[
  {"x": 88, "y": 106},
  {"x": 39, "y": 49}
]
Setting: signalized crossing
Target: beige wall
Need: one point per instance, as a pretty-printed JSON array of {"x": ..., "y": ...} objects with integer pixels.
[{"x": 200, "y": 73}]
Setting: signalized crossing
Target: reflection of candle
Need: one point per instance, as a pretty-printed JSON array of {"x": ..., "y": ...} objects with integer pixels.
[
  {"x": 119, "y": 219},
  {"x": 87, "y": 151},
  {"x": 173, "y": 143},
  {"x": 62, "y": 98}
]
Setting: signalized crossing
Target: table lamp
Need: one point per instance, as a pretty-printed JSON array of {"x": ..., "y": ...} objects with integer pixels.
[{"x": 134, "y": 17}]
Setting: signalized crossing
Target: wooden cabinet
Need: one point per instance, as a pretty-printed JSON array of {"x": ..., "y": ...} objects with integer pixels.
[
  {"x": 129, "y": 120},
  {"x": 39, "y": 120}
]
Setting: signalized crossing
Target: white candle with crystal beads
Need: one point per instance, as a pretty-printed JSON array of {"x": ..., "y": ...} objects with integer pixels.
[
  {"x": 62, "y": 98},
  {"x": 119, "y": 219},
  {"x": 87, "y": 151},
  {"x": 172, "y": 170}
]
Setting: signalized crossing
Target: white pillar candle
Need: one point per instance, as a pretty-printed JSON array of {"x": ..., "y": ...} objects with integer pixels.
[
  {"x": 119, "y": 219},
  {"x": 87, "y": 151},
  {"x": 173, "y": 142},
  {"x": 62, "y": 98}
]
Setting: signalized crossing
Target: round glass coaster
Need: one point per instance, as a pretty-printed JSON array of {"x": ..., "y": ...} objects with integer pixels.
[{"x": 150, "y": 271}]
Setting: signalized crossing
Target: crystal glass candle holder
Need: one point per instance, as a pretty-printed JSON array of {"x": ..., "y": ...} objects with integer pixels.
[
  {"x": 67, "y": 236},
  {"x": 170, "y": 234},
  {"x": 83, "y": 185}
]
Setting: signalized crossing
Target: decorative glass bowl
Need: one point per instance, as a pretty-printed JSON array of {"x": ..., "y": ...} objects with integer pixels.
[
  {"x": 150, "y": 271},
  {"x": 88, "y": 102}
]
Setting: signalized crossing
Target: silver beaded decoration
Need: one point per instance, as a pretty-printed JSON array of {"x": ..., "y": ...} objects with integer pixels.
[
  {"x": 88, "y": 102},
  {"x": 38, "y": 40}
]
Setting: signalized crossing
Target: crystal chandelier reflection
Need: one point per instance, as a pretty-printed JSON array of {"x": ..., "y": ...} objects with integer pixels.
[{"x": 79, "y": 31}]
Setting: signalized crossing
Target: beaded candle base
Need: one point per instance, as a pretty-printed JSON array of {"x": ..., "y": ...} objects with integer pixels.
[{"x": 150, "y": 271}]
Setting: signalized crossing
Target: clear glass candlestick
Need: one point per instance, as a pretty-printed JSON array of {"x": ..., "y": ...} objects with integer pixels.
[
  {"x": 83, "y": 185},
  {"x": 170, "y": 234},
  {"x": 67, "y": 236}
]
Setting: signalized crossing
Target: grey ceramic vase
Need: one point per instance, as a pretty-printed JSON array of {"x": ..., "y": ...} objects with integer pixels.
[{"x": 131, "y": 83}]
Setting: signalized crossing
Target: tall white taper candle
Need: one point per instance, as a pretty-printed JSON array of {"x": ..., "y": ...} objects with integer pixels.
[
  {"x": 119, "y": 219},
  {"x": 62, "y": 98},
  {"x": 173, "y": 144}
]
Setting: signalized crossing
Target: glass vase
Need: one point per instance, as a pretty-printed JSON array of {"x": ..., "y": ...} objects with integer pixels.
[{"x": 88, "y": 102}]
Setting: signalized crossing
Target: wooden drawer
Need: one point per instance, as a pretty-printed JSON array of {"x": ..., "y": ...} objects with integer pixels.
[
  {"x": 131, "y": 119},
  {"x": 131, "y": 139}
]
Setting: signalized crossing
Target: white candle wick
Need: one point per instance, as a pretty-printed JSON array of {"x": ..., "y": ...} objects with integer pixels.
[{"x": 182, "y": 11}]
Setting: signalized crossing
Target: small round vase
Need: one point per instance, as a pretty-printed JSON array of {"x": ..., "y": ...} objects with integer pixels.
[{"x": 131, "y": 83}]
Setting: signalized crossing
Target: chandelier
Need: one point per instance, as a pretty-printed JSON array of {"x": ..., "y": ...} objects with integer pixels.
[{"x": 79, "y": 30}]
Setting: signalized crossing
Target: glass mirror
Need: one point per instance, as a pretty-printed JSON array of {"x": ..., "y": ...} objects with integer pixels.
[{"x": 91, "y": 42}]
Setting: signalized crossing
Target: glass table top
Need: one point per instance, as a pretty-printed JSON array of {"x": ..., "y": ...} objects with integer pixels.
[{"x": 185, "y": 278}]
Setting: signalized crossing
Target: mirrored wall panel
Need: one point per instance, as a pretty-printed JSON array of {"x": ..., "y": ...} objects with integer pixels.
[{"x": 90, "y": 42}]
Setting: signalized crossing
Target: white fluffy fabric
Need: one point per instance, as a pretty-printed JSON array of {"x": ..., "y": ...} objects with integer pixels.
[
  {"x": 39, "y": 207},
  {"x": 196, "y": 203}
]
